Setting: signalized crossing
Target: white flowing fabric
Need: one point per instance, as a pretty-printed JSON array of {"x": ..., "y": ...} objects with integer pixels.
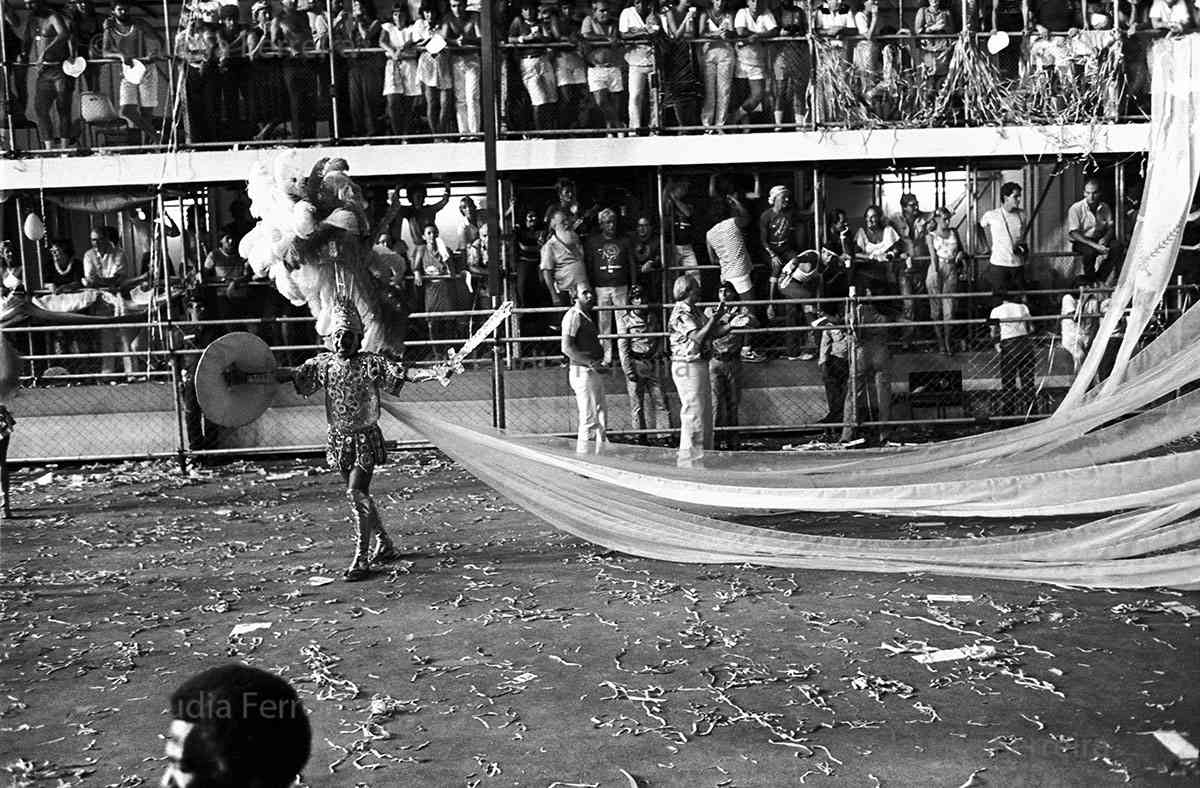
[{"x": 1101, "y": 452}]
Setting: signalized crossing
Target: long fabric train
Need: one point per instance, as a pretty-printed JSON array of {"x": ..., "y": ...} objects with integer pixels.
[{"x": 1101, "y": 452}]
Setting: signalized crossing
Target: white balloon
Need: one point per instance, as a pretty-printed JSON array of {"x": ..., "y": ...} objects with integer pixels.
[{"x": 35, "y": 228}]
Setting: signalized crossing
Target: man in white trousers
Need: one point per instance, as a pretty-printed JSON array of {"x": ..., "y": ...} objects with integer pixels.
[
  {"x": 692, "y": 333},
  {"x": 581, "y": 346}
]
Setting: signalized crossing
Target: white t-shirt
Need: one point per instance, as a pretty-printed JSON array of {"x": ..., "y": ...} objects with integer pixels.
[
  {"x": 763, "y": 23},
  {"x": 1160, "y": 11},
  {"x": 631, "y": 22},
  {"x": 1005, "y": 229},
  {"x": 1011, "y": 318},
  {"x": 877, "y": 251}
]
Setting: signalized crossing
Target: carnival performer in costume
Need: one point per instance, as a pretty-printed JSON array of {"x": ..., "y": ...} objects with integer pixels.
[{"x": 353, "y": 379}]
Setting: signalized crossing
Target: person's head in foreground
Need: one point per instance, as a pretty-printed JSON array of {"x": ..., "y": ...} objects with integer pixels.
[
  {"x": 585, "y": 297},
  {"x": 235, "y": 727}
]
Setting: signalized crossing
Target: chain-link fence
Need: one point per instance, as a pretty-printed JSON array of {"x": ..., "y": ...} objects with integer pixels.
[{"x": 822, "y": 368}]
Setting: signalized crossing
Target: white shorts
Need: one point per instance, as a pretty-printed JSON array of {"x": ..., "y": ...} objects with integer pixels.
[
  {"x": 143, "y": 94},
  {"x": 605, "y": 78},
  {"x": 741, "y": 284},
  {"x": 752, "y": 70},
  {"x": 538, "y": 78},
  {"x": 569, "y": 69}
]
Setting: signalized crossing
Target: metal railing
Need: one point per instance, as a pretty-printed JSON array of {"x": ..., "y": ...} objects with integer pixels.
[
  {"x": 809, "y": 82},
  {"x": 125, "y": 389}
]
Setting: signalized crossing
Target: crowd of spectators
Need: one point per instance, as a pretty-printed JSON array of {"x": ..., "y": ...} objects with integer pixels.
[
  {"x": 758, "y": 257},
  {"x": 275, "y": 68}
]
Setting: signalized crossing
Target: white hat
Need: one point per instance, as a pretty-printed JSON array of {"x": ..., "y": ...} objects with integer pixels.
[
  {"x": 74, "y": 67},
  {"x": 997, "y": 42},
  {"x": 134, "y": 72}
]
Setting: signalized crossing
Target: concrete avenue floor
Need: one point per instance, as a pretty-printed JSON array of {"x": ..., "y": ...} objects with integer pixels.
[{"x": 507, "y": 653}]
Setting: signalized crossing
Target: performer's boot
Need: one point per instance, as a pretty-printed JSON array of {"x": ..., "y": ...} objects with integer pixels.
[
  {"x": 360, "y": 566},
  {"x": 385, "y": 550}
]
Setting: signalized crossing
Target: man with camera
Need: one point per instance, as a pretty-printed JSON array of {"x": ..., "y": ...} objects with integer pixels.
[{"x": 1005, "y": 230}]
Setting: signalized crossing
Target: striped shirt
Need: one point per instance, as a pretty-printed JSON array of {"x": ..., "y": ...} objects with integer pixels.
[{"x": 729, "y": 244}]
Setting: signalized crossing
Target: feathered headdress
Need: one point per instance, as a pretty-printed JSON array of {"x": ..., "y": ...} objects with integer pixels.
[{"x": 346, "y": 318}]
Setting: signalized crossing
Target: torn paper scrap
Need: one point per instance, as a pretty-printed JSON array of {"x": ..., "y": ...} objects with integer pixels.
[
  {"x": 963, "y": 652},
  {"x": 949, "y": 598},
  {"x": 251, "y": 626},
  {"x": 1180, "y": 747}
]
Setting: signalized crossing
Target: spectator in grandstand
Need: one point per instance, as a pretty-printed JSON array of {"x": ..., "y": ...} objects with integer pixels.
[
  {"x": 235, "y": 725},
  {"x": 401, "y": 87},
  {"x": 129, "y": 39},
  {"x": 461, "y": 30},
  {"x": 562, "y": 262},
  {"x": 241, "y": 221},
  {"x": 413, "y": 217},
  {"x": 530, "y": 292},
  {"x": 47, "y": 43},
  {"x": 912, "y": 225},
  {"x": 468, "y": 227},
  {"x": 1011, "y": 332},
  {"x": 878, "y": 248},
  {"x": 196, "y": 45},
  {"x": 679, "y": 214},
  {"x": 602, "y": 38},
  {"x": 11, "y": 273},
  {"x": 792, "y": 66},
  {"x": 105, "y": 267},
  {"x": 609, "y": 257},
  {"x": 692, "y": 333},
  {"x": 225, "y": 268},
  {"x": 647, "y": 257},
  {"x": 567, "y": 201},
  {"x": 679, "y": 20},
  {"x": 753, "y": 25},
  {"x": 317, "y": 12},
  {"x": 868, "y": 54},
  {"x": 941, "y": 278},
  {"x": 1050, "y": 50},
  {"x": 434, "y": 269},
  {"x": 727, "y": 246},
  {"x": 433, "y": 68},
  {"x": 233, "y": 76},
  {"x": 537, "y": 69},
  {"x": 641, "y": 354},
  {"x": 871, "y": 365},
  {"x": 265, "y": 93},
  {"x": 637, "y": 23},
  {"x": 1005, "y": 231},
  {"x": 223, "y": 264},
  {"x": 934, "y": 19},
  {"x": 570, "y": 69},
  {"x": 1092, "y": 231},
  {"x": 720, "y": 61},
  {"x": 1172, "y": 16},
  {"x": 725, "y": 366},
  {"x": 581, "y": 346},
  {"x": 84, "y": 25},
  {"x": 364, "y": 70},
  {"x": 833, "y": 360},
  {"x": 477, "y": 273},
  {"x": 792, "y": 276},
  {"x": 65, "y": 271},
  {"x": 1080, "y": 313},
  {"x": 292, "y": 37},
  {"x": 837, "y": 256}
]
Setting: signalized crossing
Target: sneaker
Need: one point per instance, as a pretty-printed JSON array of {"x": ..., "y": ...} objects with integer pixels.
[
  {"x": 805, "y": 356},
  {"x": 752, "y": 357}
]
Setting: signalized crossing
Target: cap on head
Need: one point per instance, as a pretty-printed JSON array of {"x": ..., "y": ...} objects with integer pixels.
[
  {"x": 637, "y": 291},
  {"x": 346, "y": 318},
  {"x": 607, "y": 215},
  {"x": 777, "y": 191},
  {"x": 683, "y": 287}
]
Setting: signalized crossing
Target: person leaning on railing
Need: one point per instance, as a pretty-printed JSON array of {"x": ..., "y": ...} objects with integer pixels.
[
  {"x": 196, "y": 46},
  {"x": 679, "y": 20},
  {"x": 461, "y": 30},
  {"x": 433, "y": 67},
  {"x": 719, "y": 62},
  {"x": 127, "y": 39},
  {"x": 791, "y": 63},
  {"x": 364, "y": 70},
  {"x": 46, "y": 46},
  {"x": 264, "y": 107},
  {"x": 401, "y": 85},
  {"x": 601, "y": 38},
  {"x": 292, "y": 38},
  {"x": 537, "y": 70},
  {"x": 233, "y": 76},
  {"x": 753, "y": 24},
  {"x": 639, "y": 25},
  {"x": 570, "y": 69}
]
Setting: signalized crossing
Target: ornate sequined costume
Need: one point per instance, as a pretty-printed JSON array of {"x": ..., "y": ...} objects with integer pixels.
[{"x": 352, "y": 387}]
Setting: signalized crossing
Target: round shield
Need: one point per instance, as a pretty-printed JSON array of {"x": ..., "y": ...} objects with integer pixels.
[{"x": 234, "y": 405}]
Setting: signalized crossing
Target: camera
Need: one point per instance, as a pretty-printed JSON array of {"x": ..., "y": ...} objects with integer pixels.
[{"x": 1021, "y": 249}]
